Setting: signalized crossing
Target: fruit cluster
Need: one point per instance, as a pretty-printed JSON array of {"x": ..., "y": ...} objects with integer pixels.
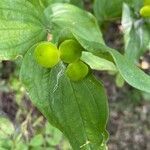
[
  {"x": 145, "y": 10},
  {"x": 69, "y": 51}
]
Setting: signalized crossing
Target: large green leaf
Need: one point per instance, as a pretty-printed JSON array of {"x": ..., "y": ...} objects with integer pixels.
[
  {"x": 78, "y": 109},
  {"x": 65, "y": 16},
  {"x": 21, "y": 26}
]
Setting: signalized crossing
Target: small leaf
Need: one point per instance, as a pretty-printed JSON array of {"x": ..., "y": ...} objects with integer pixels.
[
  {"x": 6, "y": 128},
  {"x": 56, "y": 135},
  {"x": 98, "y": 63},
  {"x": 5, "y": 144},
  {"x": 21, "y": 146},
  {"x": 119, "y": 80},
  {"x": 37, "y": 140},
  {"x": 131, "y": 73}
]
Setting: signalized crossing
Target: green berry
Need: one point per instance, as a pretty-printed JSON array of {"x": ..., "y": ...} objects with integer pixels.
[
  {"x": 47, "y": 54},
  {"x": 70, "y": 51},
  {"x": 77, "y": 71},
  {"x": 145, "y": 11}
]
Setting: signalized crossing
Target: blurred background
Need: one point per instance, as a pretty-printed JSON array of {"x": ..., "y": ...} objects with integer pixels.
[{"x": 25, "y": 128}]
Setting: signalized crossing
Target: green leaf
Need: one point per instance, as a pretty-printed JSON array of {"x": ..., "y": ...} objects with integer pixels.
[
  {"x": 107, "y": 11},
  {"x": 78, "y": 109},
  {"x": 111, "y": 11},
  {"x": 21, "y": 146},
  {"x": 136, "y": 5},
  {"x": 6, "y": 128},
  {"x": 65, "y": 16},
  {"x": 55, "y": 135},
  {"x": 98, "y": 63},
  {"x": 119, "y": 80},
  {"x": 21, "y": 26},
  {"x": 77, "y": 3},
  {"x": 46, "y": 3},
  {"x": 136, "y": 35},
  {"x": 37, "y": 140},
  {"x": 5, "y": 144},
  {"x": 40, "y": 148},
  {"x": 131, "y": 73},
  {"x": 127, "y": 18}
]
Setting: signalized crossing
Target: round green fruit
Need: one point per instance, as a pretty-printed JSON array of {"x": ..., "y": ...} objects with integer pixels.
[
  {"x": 77, "y": 71},
  {"x": 47, "y": 54},
  {"x": 70, "y": 51},
  {"x": 145, "y": 11}
]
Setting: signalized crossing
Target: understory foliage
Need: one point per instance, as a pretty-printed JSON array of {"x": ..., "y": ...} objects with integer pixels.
[{"x": 79, "y": 109}]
